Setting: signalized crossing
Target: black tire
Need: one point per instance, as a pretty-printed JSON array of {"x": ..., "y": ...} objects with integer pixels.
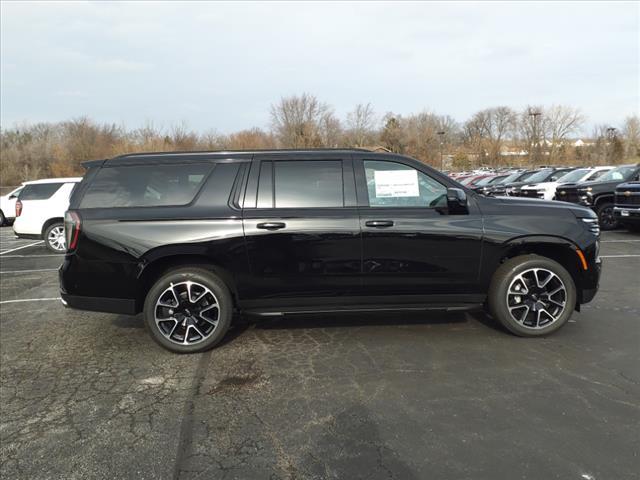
[
  {"x": 176, "y": 279},
  {"x": 606, "y": 218},
  {"x": 507, "y": 273},
  {"x": 3, "y": 219},
  {"x": 51, "y": 232}
]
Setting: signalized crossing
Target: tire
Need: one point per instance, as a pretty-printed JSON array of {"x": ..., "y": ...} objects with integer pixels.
[
  {"x": 606, "y": 218},
  {"x": 3, "y": 219},
  {"x": 54, "y": 238},
  {"x": 523, "y": 314},
  {"x": 184, "y": 298}
]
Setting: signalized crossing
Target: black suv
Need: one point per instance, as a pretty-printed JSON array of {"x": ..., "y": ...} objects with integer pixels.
[
  {"x": 599, "y": 194},
  {"x": 189, "y": 238},
  {"x": 627, "y": 209}
]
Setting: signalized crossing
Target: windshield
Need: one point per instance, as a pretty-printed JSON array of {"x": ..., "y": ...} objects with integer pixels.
[
  {"x": 509, "y": 178},
  {"x": 497, "y": 180},
  {"x": 539, "y": 176},
  {"x": 484, "y": 181},
  {"x": 574, "y": 176},
  {"x": 597, "y": 174},
  {"x": 620, "y": 173}
]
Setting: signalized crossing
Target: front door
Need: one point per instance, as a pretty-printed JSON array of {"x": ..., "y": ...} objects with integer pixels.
[
  {"x": 302, "y": 230},
  {"x": 412, "y": 244}
]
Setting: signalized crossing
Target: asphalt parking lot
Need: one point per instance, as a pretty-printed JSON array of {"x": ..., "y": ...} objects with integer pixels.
[{"x": 419, "y": 396}]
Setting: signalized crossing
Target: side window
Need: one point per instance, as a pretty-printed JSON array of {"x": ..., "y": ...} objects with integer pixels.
[
  {"x": 308, "y": 183},
  {"x": 39, "y": 191},
  {"x": 145, "y": 186},
  {"x": 391, "y": 184}
]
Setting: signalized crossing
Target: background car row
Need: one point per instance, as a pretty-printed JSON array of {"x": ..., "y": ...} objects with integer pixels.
[{"x": 593, "y": 187}]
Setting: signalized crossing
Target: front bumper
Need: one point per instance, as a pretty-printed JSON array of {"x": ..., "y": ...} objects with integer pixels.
[{"x": 627, "y": 214}]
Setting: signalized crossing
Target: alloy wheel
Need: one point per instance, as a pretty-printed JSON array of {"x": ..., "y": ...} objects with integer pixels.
[
  {"x": 607, "y": 218},
  {"x": 187, "y": 313},
  {"x": 536, "y": 298},
  {"x": 56, "y": 239}
]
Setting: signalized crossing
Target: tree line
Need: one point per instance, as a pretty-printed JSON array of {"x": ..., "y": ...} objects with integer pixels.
[{"x": 496, "y": 136}]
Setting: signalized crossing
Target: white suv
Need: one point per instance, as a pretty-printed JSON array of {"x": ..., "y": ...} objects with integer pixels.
[
  {"x": 40, "y": 211},
  {"x": 547, "y": 190},
  {"x": 8, "y": 205}
]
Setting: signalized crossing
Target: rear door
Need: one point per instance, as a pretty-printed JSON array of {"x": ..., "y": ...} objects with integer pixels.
[
  {"x": 302, "y": 230},
  {"x": 412, "y": 244}
]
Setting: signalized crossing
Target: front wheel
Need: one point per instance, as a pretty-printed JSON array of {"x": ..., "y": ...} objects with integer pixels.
[
  {"x": 606, "y": 218},
  {"x": 188, "y": 310},
  {"x": 531, "y": 295},
  {"x": 54, "y": 238}
]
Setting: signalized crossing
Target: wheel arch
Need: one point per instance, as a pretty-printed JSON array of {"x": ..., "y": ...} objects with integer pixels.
[
  {"x": 156, "y": 265},
  {"x": 50, "y": 222},
  {"x": 603, "y": 198},
  {"x": 559, "y": 249}
]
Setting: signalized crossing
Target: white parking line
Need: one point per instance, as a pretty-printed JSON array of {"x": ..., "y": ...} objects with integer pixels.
[
  {"x": 30, "y": 300},
  {"x": 29, "y": 271},
  {"x": 618, "y": 241},
  {"x": 20, "y": 248},
  {"x": 34, "y": 256}
]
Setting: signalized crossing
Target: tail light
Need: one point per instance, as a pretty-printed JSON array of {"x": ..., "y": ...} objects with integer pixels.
[
  {"x": 18, "y": 208},
  {"x": 72, "y": 225}
]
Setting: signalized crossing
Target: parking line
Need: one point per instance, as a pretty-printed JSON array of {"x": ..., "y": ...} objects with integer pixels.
[
  {"x": 35, "y": 270},
  {"x": 30, "y": 300},
  {"x": 618, "y": 241},
  {"x": 618, "y": 256},
  {"x": 33, "y": 256},
  {"x": 20, "y": 248}
]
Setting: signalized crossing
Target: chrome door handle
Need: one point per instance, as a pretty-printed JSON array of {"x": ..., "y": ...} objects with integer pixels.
[
  {"x": 379, "y": 223},
  {"x": 271, "y": 225}
]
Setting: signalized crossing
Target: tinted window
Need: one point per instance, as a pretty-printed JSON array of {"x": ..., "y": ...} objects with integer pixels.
[
  {"x": 145, "y": 186},
  {"x": 39, "y": 191},
  {"x": 620, "y": 173},
  {"x": 308, "y": 183},
  {"x": 393, "y": 184}
]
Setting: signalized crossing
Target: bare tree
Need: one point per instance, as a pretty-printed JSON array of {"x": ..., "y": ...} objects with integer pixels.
[
  {"x": 302, "y": 121},
  {"x": 361, "y": 123},
  {"x": 489, "y": 129},
  {"x": 631, "y": 133},
  {"x": 559, "y": 122}
]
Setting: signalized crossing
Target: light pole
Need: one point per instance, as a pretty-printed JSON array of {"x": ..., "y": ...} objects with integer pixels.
[
  {"x": 441, "y": 135},
  {"x": 536, "y": 143}
]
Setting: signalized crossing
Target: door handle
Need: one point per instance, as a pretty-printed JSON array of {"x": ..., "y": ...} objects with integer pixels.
[
  {"x": 379, "y": 223},
  {"x": 271, "y": 225}
]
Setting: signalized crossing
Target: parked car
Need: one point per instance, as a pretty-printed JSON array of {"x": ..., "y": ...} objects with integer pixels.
[
  {"x": 500, "y": 188},
  {"x": 40, "y": 211},
  {"x": 189, "y": 238},
  {"x": 8, "y": 206},
  {"x": 627, "y": 205},
  {"x": 599, "y": 194},
  {"x": 544, "y": 175},
  {"x": 547, "y": 190},
  {"x": 486, "y": 183}
]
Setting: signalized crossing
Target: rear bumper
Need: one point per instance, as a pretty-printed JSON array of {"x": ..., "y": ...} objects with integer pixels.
[{"x": 99, "y": 304}]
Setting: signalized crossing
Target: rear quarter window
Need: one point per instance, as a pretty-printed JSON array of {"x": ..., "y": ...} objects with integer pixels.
[
  {"x": 39, "y": 191},
  {"x": 145, "y": 186}
]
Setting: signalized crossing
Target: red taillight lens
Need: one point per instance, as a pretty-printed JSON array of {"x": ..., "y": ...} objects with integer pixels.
[
  {"x": 18, "y": 208},
  {"x": 72, "y": 225}
]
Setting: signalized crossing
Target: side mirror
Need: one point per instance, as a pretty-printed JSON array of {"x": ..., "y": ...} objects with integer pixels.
[
  {"x": 13, "y": 196},
  {"x": 457, "y": 200}
]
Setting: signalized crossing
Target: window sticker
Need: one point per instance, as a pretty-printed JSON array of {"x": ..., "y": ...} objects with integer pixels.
[{"x": 397, "y": 183}]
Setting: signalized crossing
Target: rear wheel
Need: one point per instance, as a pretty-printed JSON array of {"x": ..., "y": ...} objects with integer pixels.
[
  {"x": 606, "y": 218},
  {"x": 54, "y": 238},
  {"x": 531, "y": 295},
  {"x": 188, "y": 310}
]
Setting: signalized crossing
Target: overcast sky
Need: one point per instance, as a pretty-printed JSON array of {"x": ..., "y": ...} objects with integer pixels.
[{"x": 221, "y": 65}]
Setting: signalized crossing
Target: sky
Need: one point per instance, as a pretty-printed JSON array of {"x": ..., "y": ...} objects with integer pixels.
[{"x": 220, "y": 66}]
